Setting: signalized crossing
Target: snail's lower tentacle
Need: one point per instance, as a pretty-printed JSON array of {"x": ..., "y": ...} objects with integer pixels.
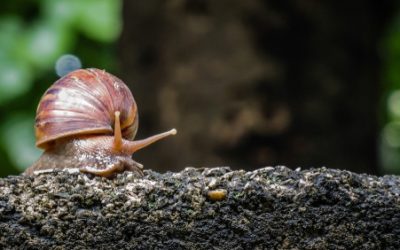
[
  {"x": 119, "y": 165},
  {"x": 107, "y": 172},
  {"x": 134, "y": 166}
]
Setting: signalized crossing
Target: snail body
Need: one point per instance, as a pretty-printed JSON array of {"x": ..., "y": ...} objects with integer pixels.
[{"x": 88, "y": 120}]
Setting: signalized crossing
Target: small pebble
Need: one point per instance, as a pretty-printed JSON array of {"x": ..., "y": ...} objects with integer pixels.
[{"x": 217, "y": 195}]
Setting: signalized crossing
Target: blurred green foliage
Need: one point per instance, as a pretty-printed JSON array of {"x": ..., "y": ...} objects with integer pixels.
[
  {"x": 33, "y": 35},
  {"x": 390, "y": 133}
]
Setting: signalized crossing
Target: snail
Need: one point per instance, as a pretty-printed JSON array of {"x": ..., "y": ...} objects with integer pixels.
[{"x": 88, "y": 120}]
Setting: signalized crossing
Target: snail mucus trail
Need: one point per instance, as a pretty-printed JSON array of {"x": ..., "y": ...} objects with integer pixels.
[{"x": 88, "y": 120}]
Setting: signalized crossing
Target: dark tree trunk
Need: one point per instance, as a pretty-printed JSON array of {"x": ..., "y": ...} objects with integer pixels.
[{"x": 253, "y": 83}]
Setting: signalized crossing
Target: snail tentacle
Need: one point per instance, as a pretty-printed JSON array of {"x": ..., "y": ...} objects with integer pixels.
[
  {"x": 117, "y": 133},
  {"x": 133, "y": 146}
]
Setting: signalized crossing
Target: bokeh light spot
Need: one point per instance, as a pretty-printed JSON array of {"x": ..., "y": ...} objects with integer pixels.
[{"x": 66, "y": 64}]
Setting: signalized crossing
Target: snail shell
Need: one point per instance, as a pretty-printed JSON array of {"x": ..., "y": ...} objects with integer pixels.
[{"x": 84, "y": 102}]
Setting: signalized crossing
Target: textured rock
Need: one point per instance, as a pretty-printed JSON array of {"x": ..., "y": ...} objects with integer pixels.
[{"x": 275, "y": 208}]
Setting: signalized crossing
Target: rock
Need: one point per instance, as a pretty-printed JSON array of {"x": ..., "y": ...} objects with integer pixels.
[{"x": 274, "y": 208}]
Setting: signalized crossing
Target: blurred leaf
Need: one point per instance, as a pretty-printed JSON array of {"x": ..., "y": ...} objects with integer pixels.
[
  {"x": 62, "y": 12},
  {"x": 10, "y": 27},
  {"x": 392, "y": 75},
  {"x": 390, "y": 147},
  {"x": 15, "y": 79},
  {"x": 18, "y": 137},
  {"x": 101, "y": 19},
  {"x": 45, "y": 43},
  {"x": 393, "y": 104},
  {"x": 392, "y": 42},
  {"x": 97, "y": 19},
  {"x": 391, "y": 134}
]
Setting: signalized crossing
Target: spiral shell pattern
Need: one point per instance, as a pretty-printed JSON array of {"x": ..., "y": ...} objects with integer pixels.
[{"x": 83, "y": 102}]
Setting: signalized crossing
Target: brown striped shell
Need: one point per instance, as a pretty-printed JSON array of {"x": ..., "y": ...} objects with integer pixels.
[{"x": 83, "y": 102}]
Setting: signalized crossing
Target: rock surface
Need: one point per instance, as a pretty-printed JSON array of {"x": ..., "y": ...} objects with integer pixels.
[{"x": 215, "y": 208}]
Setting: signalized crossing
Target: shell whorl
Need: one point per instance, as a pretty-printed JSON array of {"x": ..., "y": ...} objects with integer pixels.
[{"x": 83, "y": 102}]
